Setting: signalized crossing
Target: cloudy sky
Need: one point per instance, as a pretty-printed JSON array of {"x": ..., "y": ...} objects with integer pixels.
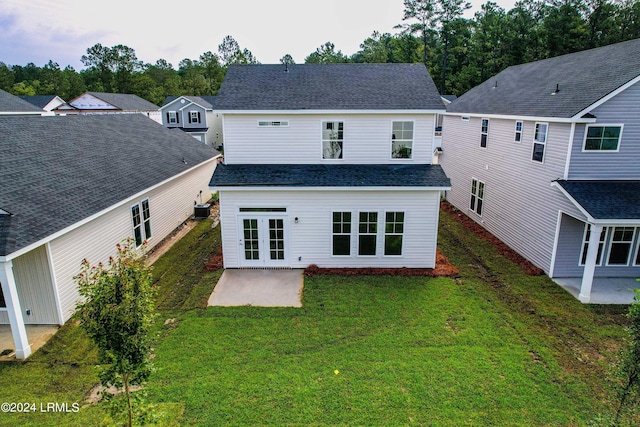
[{"x": 62, "y": 30}]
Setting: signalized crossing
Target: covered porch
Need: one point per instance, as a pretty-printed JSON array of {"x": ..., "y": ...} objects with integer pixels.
[
  {"x": 37, "y": 336},
  {"x": 604, "y": 290}
]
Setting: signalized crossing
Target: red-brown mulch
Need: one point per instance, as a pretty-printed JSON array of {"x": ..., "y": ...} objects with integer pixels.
[
  {"x": 443, "y": 268},
  {"x": 478, "y": 230}
]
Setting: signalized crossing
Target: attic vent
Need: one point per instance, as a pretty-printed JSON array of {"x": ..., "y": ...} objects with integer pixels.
[
  {"x": 465, "y": 118},
  {"x": 273, "y": 124}
]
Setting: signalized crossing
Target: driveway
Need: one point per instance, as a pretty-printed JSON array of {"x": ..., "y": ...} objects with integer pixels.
[{"x": 260, "y": 288}]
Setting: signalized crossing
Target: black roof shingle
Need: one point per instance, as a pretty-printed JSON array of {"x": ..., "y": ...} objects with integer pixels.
[
  {"x": 12, "y": 104},
  {"x": 328, "y": 87},
  {"x": 606, "y": 199},
  {"x": 58, "y": 170},
  {"x": 583, "y": 78},
  {"x": 321, "y": 175}
]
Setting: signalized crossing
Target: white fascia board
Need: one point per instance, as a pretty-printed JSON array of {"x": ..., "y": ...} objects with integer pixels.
[
  {"x": 276, "y": 188},
  {"x": 528, "y": 118},
  {"x": 22, "y": 113},
  {"x": 574, "y": 201},
  {"x": 607, "y": 97},
  {"x": 332, "y": 112},
  {"x": 78, "y": 224}
]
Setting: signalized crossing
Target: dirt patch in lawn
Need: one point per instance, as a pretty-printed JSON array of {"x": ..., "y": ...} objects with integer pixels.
[{"x": 479, "y": 231}]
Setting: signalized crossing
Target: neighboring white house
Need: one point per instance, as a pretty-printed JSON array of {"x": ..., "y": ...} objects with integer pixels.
[
  {"x": 329, "y": 164},
  {"x": 110, "y": 103},
  {"x": 194, "y": 115},
  {"x": 546, "y": 156},
  {"x": 75, "y": 186},
  {"x": 46, "y": 102}
]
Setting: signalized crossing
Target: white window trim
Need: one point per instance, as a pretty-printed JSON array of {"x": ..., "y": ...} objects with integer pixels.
[
  {"x": 475, "y": 208},
  {"x": 351, "y": 239},
  {"x": 193, "y": 115},
  {"x": 585, "y": 243},
  {"x": 599, "y": 125},
  {"x": 174, "y": 115},
  {"x": 518, "y": 132},
  {"x": 143, "y": 233},
  {"x": 632, "y": 244},
  {"x": 413, "y": 130},
  {"x": 533, "y": 146},
  {"x": 344, "y": 139},
  {"x": 403, "y": 234},
  {"x": 484, "y": 133}
]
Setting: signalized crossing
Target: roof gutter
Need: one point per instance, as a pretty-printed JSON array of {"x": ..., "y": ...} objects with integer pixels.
[{"x": 521, "y": 117}]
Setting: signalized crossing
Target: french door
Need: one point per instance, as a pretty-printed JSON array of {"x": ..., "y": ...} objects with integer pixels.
[{"x": 263, "y": 240}]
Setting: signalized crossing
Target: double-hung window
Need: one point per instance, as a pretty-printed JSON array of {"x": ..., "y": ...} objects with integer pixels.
[
  {"x": 367, "y": 233},
  {"x": 484, "y": 133},
  {"x": 341, "y": 233},
  {"x": 194, "y": 117},
  {"x": 401, "y": 140},
  {"x": 585, "y": 245},
  {"x": 602, "y": 138},
  {"x": 539, "y": 142},
  {"x": 141, "y": 218},
  {"x": 518, "y": 133},
  {"x": 332, "y": 140},
  {"x": 172, "y": 117},
  {"x": 477, "y": 196},
  {"x": 393, "y": 232},
  {"x": 620, "y": 248}
]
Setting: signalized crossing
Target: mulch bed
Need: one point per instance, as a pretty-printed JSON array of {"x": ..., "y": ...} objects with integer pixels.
[
  {"x": 216, "y": 262},
  {"x": 479, "y": 231}
]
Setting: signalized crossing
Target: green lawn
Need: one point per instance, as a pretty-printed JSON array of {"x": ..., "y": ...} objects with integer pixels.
[{"x": 492, "y": 347}]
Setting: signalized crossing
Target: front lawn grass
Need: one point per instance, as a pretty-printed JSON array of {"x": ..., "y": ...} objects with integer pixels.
[{"x": 491, "y": 347}]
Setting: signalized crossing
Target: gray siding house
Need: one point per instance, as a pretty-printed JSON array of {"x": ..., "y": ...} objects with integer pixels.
[
  {"x": 546, "y": 156},
  {"x": 329, "y": 164},
  {"x": 97, "y": 180},
  {"x": 194, "y": 115}
]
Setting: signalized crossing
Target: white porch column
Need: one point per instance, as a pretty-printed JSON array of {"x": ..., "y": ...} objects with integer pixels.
[
  {"x": 10, "y": 293},
  {"x": 590, "y": 263}
]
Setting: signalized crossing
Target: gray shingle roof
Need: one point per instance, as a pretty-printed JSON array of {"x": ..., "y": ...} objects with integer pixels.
[
  {"x": 606, "y": 199},
  {"x": 12, "y": 104},
  {"x": 583, "y": 78},
  {"x": 39, "y": 101},
  {"x": 328, "y": 87},
  {"x": 315, "y": 175},
  {"x": 207, "y": 102},
  {"x": 56, "y": 171},
  {"x": 125, "y": 101}
]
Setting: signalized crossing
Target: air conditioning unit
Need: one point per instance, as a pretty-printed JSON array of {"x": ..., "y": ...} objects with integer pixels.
[{"x": 201, "y": 211}]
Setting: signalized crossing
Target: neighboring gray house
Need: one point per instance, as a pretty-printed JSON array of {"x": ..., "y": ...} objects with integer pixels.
[
  {"x": 195, "y": 115},
  {"x": 329, "y": 164},
  {"x": 46, "y": 102},
  {"x": 110, "y": 103},
  {"x": 75, "y": 186},
  {"x": 11, "y": 105},
  {"x": 546, "y": 156}
]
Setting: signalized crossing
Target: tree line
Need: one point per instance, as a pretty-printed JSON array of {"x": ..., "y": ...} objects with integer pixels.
[{"x": 459, "y": 52}]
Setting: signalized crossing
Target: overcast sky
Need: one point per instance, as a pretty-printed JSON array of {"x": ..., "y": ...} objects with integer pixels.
[{"x": 62, "y": 30}]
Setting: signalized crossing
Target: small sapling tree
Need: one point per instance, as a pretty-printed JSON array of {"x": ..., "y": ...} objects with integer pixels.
[{"x": 117, "y": 312}]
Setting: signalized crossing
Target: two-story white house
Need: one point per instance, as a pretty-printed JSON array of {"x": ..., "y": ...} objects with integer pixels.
[
  {"x": 546, "y": 156},
  {"x": 329, "y": 164},
  {"x": 194, "y": 115}
]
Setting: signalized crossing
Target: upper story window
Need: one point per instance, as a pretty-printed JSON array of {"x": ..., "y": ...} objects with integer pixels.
[
  {"x": 282, "y": 123},
  {"x": 194, "y": 116},
  {"x": 518, "y": 133},
  {"x": 332, "y": 140},
  {"x": 484, "y": 133},
  {"x": 401, "y": 140},
  {"x": 172, "y": 117},
  {"x": 602, "y": 137},
  {"x": 539, "y": 142}
]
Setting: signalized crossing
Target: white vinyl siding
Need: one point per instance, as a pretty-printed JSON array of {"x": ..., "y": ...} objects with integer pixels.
[
  {"x": 311, "y": 239},
  {"x": 366, "y": 138},
  {"x": 96, "y": 240}
]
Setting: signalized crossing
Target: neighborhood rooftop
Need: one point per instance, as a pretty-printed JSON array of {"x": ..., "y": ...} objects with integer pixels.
[
  {"x": 77, "y": 166},
  {"x": 557, "y": 87},
  {"x": 328, "y": 87},
  {"x": 125, "y": 101},
  {"x": 204, "y": 101},
  {"x": 12, "y": 104},
  {"x": 605, "y": 199},
  {"x": 318, "y": 175}
]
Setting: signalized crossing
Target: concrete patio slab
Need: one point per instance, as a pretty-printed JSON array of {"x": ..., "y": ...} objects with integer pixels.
[
  {"x": 260, "y": 288},
  {"x": 38, "y": 335},
  {"x": 605, "y": 290}
]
